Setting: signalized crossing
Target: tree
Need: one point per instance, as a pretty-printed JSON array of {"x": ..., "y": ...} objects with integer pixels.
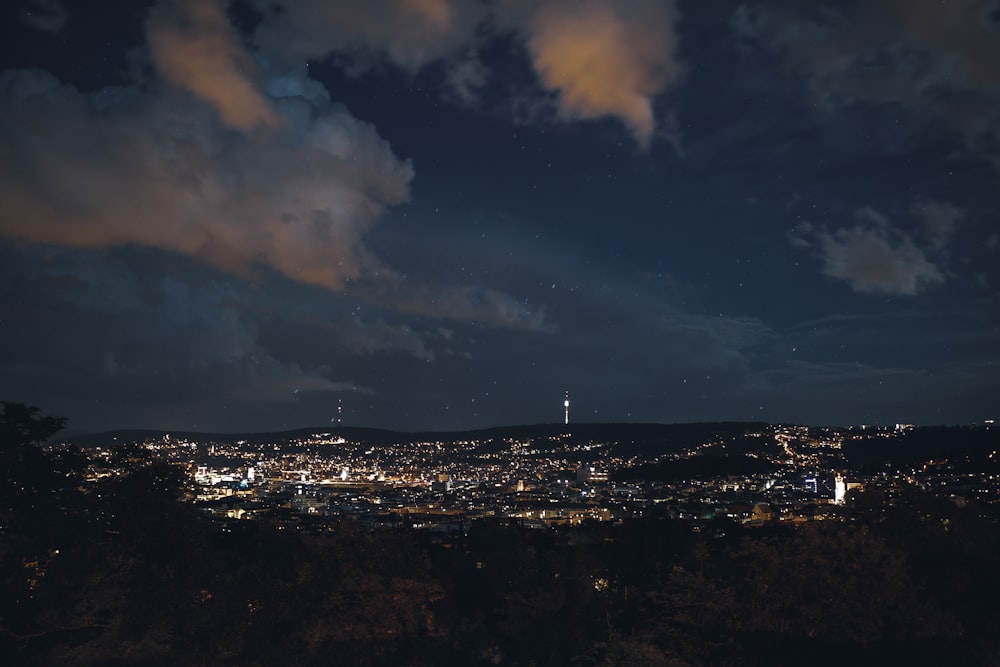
[
  {"x": 33, "y": 487},
  {"x": 30, "y": 477},
  {"x": 20, "y": 425}
]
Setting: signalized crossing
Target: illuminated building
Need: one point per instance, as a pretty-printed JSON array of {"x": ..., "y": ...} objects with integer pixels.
[
  {"x": 839, "y": 490},
  {"x": 586, "y": 473},
  {"x": 443, "y": 483}
]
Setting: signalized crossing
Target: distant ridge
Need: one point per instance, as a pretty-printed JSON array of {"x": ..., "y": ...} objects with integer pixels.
[
  {"x": 636, "y": 432},
  {"x": 871, "y": 450}
]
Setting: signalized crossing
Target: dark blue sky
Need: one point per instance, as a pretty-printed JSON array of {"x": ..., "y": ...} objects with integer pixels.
[{"x": 444, "y": 214}]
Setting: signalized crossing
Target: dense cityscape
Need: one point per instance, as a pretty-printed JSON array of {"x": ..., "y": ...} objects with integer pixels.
[{"x": 556, "y": 475}]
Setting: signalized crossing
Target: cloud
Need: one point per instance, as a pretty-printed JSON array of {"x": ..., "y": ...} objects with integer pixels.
[
  {"x": 605, "y": 58},
  {"x": 801, "y": 236},
  {"x": 379, "y": 336},
  {"x": 160, "y": 170},
  {"x": 599, "y": 58},
  {"x": 872, "y": 255},
  {"x": 184, "y": 338},
  {"x": 45, "y": 15},
  {"x": 467, "y": 302},
  {"x": 194, "y": 47},
  {"x": 465, "y": 78},
  {"x": 939, "y": 221},
  {"x": 961, "y": 27},
  {"x": 408, "y": 33},
  {"x": 938, "y": 61},
  {"x": 711, "y": 343},
  {"x": 241, "y": 162}
]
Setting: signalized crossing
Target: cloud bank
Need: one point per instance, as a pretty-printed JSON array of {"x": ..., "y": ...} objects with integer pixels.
[
  {"x": 939, "y": 60},
  {"x": 238, "y": 161},
  {"x": 185, "y": 338},
  {"x": 161, "y": 170},
  {"x": 599, "y": 58}
]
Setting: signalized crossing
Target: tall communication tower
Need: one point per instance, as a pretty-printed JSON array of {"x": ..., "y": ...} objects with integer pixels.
[
  {"x": 566, "y": 405},
  {"x": 340, "y": 411}
]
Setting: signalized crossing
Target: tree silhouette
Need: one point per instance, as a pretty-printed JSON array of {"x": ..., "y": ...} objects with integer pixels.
[
  {"x": 28, "y": 474},
  {"x": 33, "y": 495},
  {"x": 21, "y": 424}
]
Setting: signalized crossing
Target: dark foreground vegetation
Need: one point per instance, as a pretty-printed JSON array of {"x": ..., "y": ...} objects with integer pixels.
[{"x": 122, "y": 573}]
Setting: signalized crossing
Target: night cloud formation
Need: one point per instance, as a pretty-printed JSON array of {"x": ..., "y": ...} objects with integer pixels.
[
  {"x": 122, "y": 167},
  {"x": 148, "y": 342},
  {"x": 937, "y": 60},
  {"x": 599, "y": 58},
  {"x": 446, "y": 214}
]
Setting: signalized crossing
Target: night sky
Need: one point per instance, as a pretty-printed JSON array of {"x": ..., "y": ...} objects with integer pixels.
[{"x": 444, "y": 214}]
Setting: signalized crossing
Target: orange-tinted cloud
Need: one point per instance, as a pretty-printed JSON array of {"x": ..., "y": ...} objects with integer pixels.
[
  {"x": 194, "y": 47},
  {"x": 161, "y": 171},
  {"x": 601, "y": 57},
  {"x": 605, "y": 58},
  {"x": 161, "y": 168}
]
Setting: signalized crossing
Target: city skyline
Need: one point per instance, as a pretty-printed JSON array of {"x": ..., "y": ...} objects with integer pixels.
[{"x": 438, "y": 215}]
